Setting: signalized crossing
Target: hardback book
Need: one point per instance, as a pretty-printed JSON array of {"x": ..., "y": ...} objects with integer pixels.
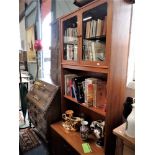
[
  {"x": 94, "y": 28},
  {"x": 87, "y": 52},
  {"x": 78, "y": 88},
  {"x": 91, "y": 29},
  {"x": 104, "y": 26},
  {"x": 70, "y": 35},
  {"x": 75, "y": 52},
  {"x": 70, "y": 52},
  {"x": 68, "y": 84},
  {"x": 99, "y": 28},
  {"x": 98, "y": 51},
  {"x": 88, "y": 27},
  {"x": 89, "y": 91},
  {"x": 100, "y": 92}
]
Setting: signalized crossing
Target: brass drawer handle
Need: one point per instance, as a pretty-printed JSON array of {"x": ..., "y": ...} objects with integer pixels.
[{"x": 36, "y": 97}]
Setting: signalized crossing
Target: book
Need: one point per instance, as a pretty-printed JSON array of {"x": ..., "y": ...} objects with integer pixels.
[
  {"x": 68, "y": 84},
  {"x": 94, "y": 28},
  {"x": 98, "y": 51},
  {"x": 99, "y": 28},
  {"x": 88, "y": 29},
  {"x": 91, "y": 29},
  {"x": 70, "y": 35},
  {"x": 78, "y": 88},
  {"x": 87, "y": 50},
  {"x": 104, "y": 26},
  {"x": 89, "y": 91},
  {"x": 75, "y": 52},
  {"x": 100, "y": 92},
  {"x": 70, "y": 52}
]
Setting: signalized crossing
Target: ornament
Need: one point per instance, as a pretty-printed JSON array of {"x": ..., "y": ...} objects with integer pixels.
[{"x": 37, "y": 45}]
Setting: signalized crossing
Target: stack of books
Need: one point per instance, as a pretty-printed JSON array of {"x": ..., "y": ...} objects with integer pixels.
[
  {"x": 91, "y": 91},
  {"x": 95, "y": 92},
  {"x": 94, "y": 50},
  {"x": 71, "y": 51},
  {"x": 95, "y": 28},
  {"x": 70, "y": 35}
]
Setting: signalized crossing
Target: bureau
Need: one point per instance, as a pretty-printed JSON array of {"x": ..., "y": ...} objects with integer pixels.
[{"x": 43, "y": 106}]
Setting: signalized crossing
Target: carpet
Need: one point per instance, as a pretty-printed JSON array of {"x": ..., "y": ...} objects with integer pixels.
[{"x": 28, "y": 139}]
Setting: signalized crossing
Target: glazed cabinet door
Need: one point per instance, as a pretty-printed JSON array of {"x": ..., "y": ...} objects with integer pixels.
[
  {"x": 69, "y": 39},
  {"x": 94, "y": 24},
  {"x": 84, "y": 36}
]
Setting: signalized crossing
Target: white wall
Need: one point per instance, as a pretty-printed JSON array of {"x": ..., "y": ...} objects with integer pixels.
[{"x": 22, "y": 34}]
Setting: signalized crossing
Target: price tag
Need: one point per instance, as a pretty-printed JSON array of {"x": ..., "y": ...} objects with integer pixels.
[{"x": 86, "y": 148}]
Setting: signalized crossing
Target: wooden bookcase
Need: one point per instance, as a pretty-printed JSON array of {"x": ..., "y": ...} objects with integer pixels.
[{"x": 77, "y": 43}]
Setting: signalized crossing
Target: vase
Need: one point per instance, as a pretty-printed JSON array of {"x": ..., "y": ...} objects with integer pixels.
[
  {"x": 84, "y": 130},
  {"x": 130, "y": 124}
]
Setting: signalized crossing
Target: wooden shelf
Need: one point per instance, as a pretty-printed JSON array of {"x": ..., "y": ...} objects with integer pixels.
[
  {"x": 74, "y": 140},
  {"x": 71, "y": 42},
  {"x": 101, "y": 38},
  {"x": 86, "y": 68},
  {"x": 100, "y": 111}
]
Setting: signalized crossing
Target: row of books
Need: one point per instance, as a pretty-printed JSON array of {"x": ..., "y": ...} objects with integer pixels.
[
  {"x": 88, "y": 90},
  {"x": 70, "y": 35},
  {"x": 95, "y": 28},
  {"x": 71, "y": 52},
  {"x": 93, "y": 50}
]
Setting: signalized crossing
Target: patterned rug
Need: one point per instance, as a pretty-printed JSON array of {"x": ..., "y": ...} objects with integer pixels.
[{"x": 28, "y": 139}]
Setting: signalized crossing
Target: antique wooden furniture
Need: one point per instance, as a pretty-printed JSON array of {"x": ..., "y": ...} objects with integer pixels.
[
  {"x": 124, "y": 145},
  {"x": 43, "y": 106},
  {"x": 77, "y": 39}
]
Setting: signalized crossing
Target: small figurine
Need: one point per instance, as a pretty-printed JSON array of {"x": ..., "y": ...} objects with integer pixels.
[
  {"x": 69, "y": 122},
  {"x": 98, "y": 129}
]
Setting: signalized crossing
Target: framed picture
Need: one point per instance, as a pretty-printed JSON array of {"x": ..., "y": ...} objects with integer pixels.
[{"x": 30, "y": 37}]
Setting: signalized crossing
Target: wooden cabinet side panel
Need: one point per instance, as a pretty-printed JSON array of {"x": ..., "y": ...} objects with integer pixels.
[{"x": 120, "y": 36}]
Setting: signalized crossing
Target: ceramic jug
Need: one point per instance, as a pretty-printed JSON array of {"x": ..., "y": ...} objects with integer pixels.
[{"x": 130, "y": 124}]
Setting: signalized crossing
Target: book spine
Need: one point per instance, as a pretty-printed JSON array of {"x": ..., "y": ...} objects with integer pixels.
[
  {"x": 68, "y": 85},
  {"x": 74, "y": 90},
  {"x": 90, "y": 95},
  {"x": 94, "y": 95},
  {"x": 101, "y": 94},
  {"x": 75, "y": 52},
  {"x": 79, "y": 88},
  {"x": 104, "y": 26},
  {"x": 89, "y": 90}
]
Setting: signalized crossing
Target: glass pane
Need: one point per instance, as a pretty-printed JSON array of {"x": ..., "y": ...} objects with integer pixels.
[
  {"x": 94, "y": 33},
  {"x": 70, "y": 39}
]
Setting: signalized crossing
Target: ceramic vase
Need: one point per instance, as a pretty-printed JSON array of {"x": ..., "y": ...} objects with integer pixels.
[
  {"x": 130, "y": 125},
  {"x": 84, "y": 130}
]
